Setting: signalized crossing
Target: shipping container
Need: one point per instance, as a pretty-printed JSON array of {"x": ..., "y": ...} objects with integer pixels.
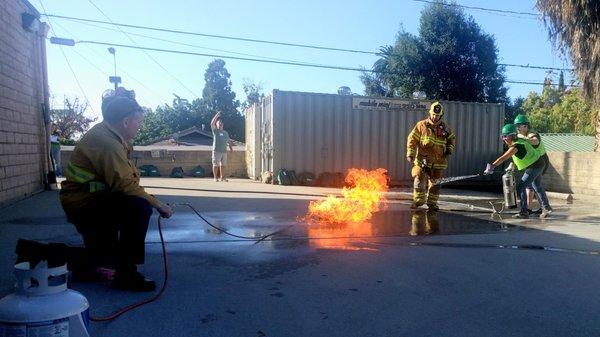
[{"x": 312, "y": 132}]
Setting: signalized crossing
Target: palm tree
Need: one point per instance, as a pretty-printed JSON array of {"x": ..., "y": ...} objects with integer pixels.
[{"x": 574, "y": 26}]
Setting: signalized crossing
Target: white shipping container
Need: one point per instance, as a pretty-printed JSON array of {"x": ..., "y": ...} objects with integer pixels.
[{"x": 311, "y": 132}]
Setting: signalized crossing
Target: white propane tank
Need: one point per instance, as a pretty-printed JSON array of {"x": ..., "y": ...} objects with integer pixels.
[{"x": 42, "y": 305}]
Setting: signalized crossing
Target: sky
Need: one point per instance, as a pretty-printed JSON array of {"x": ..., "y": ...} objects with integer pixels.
[{"x": 351, "y": 24}]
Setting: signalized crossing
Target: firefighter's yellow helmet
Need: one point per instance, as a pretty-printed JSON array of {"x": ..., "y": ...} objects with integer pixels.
[{"x": 436, "y": 109}]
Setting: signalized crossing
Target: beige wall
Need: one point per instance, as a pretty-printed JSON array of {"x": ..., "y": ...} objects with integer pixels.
[
  {"x": 166, "y": 159},
  {"x": 573, "y": 172},
  {"x": 22, "y": 136}
]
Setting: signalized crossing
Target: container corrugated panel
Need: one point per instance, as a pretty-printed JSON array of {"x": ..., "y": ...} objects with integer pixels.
[{"x": 319, "y": 133}]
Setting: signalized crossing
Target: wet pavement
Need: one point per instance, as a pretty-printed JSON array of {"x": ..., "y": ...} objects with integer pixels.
[{"x": 458, "y": 272}]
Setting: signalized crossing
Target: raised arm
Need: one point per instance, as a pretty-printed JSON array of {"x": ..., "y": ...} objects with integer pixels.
[{"x": 213, "y": 122}]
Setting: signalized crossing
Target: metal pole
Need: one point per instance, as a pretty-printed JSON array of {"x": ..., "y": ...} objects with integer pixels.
[{"x": 115, "y": 62}]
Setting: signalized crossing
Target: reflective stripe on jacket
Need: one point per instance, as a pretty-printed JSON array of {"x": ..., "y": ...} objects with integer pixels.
[
  {"x": 430, "y": 140},
  {"x": 100, "y": 162}
]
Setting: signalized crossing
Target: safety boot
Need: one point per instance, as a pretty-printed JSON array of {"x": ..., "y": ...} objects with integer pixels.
[{"x": 132, "y": 281}]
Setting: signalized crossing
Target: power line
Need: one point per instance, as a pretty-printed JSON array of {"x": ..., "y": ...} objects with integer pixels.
[
  {"x": 148, "y": 55},
  {"x": 226, "y": 56},
  {"x": 534, "y": 67},
  {"x": 492, "y": 10},
  {"x": 105, "y": 59},
  {"x": 260, "y": 60},
  {"x": 540, "y": 83},
  {"x": 190, "y": 45},
  {"x": 70, "y": 67},
  {"x": 258, "y": 41},
  {"x": 216, "y": 36}
]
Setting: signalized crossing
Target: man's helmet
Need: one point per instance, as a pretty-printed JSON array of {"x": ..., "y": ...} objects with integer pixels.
[
  {"x": 509, "y": 129},
  {"x": 521, "y": 119},
  {"x": 436, "y": 109}
]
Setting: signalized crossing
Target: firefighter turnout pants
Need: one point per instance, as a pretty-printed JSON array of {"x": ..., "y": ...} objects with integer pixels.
[{"x": 425, "y": 191}]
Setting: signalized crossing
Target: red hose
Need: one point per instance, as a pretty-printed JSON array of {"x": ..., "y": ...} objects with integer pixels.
[{"x": 148, "y": 300}]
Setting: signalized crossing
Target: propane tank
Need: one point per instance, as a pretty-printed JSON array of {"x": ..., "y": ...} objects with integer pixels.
[
  {"x": 42, "y": 305},
  {"x": 509, "y": 188}
]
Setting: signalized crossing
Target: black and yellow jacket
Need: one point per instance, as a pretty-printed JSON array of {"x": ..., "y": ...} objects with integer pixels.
[{"x": 100, "y": 163}]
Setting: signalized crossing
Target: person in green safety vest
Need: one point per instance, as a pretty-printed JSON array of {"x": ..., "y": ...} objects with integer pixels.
[
  {"x": 527, "y": 159},
  {"x": 524, "y": 132}
]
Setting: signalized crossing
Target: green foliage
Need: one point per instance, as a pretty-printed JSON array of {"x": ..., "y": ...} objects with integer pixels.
[
  {"x": 71, "y": 120},
  {"x": 253, "y": 93},
  {"x": 513, "y": 109},
  {"x": 181, "y": 114},
  {"x": 451, "y": 59},
  {"x": 555, "y": 111},
  {"x": 218, "y": 96}
]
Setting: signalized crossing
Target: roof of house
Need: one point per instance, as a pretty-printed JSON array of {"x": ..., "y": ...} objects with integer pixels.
[
  {"x": 188, "y": 137},
  {"x": 568, "y": 142}
]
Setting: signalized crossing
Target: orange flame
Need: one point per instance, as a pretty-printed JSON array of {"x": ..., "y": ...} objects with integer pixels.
[{"x": 357, "y": 203}]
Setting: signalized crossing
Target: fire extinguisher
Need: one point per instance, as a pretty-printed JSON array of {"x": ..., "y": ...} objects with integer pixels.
[
  {"x": 42, "y": 305},
  {"x": 509, "y": 188}
]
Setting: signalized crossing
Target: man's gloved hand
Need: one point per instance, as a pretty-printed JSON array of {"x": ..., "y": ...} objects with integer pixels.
[
  {"x": 410, "y": 159},
  {"x": 165, "y": 210},
  {"x": 489, "y": 169}
]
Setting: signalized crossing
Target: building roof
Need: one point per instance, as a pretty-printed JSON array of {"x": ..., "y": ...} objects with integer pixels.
[
  {"x": 568, "y": 142},
  {"x": 188, "y": 137}
]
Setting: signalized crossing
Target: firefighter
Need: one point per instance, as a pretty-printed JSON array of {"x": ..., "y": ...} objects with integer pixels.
[
  {"x": 429, "y": 145},
  {"x": 523, "y": 132},
  {"x": 102, "y": 196},
  {"x": 526, "y": 159}
]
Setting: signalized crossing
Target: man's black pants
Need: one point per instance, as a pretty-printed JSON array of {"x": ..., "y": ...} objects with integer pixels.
[{"x": 114, "y": 229}]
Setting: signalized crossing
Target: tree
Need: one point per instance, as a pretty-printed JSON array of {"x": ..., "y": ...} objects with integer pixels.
[
  {"x": 71, "y": 119},
  {"x": 168, "y": 119},
  {"x": 574, "y": 26},
  {"x": 218, "y": 96},
  {"x": 253, "y": 93},
  {"x": 513, "y": 109},
  {"x": 450, "y": 59},
  {"x": 567, "y": 114},
  {"x": 181, "y": 114}
]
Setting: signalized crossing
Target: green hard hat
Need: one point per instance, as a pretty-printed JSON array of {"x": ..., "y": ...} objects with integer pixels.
[
  {"x": 508, "y": 129},
  {"x": 521, "y": 119}
]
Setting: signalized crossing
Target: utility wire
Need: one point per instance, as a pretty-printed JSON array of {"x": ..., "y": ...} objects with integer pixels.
[
  {"x": 190, "y": 45},
  {"x": 259, "y": 41},
  {"x": 261, "y": 60},
  {"x": 492, "y": 10},
  {"x": 534, "y": 67},
  {"x": 148, "y": 55},
  {"x": 225, "y": 56},
  {"x": 70, "y": 67},
  {"x": 109, "y": 61},
  {"x": 216, "y": 36}
]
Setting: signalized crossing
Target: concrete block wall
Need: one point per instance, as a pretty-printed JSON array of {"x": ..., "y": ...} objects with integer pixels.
[
  {"x": 573, "y": 172},
  {"x": 166, "y": 159},
  {"x": 22, "y": 136}
]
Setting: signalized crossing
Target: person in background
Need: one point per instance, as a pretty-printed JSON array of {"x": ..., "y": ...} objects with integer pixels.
[
  {"x": 55, "y": 150},
  {"x": 219, "y": 151}
]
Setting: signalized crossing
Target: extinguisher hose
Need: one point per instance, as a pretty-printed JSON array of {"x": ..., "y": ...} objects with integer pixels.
[
  {"x": 166, "y": 264},
  {"x": 150, "y": 299}
]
